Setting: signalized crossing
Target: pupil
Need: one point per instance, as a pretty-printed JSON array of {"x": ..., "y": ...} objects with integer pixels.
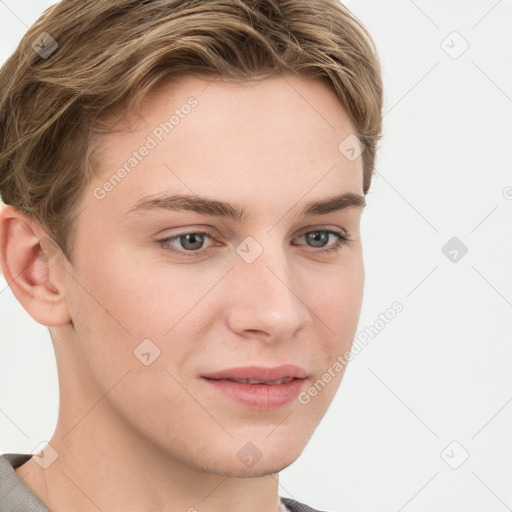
[
  {"x": 190, "y": 239},
  {"x": 319, "y": 236}
]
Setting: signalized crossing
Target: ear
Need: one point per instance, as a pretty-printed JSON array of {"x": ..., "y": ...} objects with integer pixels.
[{"x": 30, "y": 263}]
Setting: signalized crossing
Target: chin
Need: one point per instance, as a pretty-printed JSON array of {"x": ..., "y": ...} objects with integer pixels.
[
  {"x": 260, "y": 469},
  {"x": 264, "y": 456}
]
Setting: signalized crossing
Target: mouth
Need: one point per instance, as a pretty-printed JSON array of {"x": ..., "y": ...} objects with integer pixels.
[
  {"x": 256, "y": 381},
  {"x": 261, "y": 374},
  {"x": 259, "y": 388}
]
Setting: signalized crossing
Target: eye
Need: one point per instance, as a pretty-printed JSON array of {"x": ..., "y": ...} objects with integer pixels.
[
  {"x": 192, "y": 243},
  {"x": 320, "y": 238}
]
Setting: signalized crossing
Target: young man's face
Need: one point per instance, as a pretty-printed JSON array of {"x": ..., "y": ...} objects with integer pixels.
[{"x": 152, "y": 319}]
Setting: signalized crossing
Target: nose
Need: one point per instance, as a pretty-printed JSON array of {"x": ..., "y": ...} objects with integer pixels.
[{"x": 266, "y": 300}]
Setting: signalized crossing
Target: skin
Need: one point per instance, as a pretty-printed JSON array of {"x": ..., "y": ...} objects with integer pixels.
[{"x": 133, "y": 437}]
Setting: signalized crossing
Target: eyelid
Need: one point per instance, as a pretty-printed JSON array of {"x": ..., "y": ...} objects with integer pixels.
[
  {"x": 323, "y": 227},
  {"x": 343, "y": 239}
]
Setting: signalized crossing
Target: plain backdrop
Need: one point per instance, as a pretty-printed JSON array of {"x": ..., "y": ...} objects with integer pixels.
[{"x": 423, "y": 416}]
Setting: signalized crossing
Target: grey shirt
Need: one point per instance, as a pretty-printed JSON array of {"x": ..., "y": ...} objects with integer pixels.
[{"x": 15, "y": 496}]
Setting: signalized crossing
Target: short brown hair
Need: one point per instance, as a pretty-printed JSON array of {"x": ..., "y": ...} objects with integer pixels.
[{"x": 111, "y": 53}]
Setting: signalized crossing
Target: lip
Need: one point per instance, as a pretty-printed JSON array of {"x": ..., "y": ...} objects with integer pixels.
[
  {"x": 262, "y": 397},
  {"x": 259, "y": 373}
]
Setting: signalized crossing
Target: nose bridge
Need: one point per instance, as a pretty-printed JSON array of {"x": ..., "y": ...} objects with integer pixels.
[{"x": 267, "y": 297}]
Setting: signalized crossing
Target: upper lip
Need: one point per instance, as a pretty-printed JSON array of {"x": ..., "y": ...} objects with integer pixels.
[{"x": 259, "y": 373}]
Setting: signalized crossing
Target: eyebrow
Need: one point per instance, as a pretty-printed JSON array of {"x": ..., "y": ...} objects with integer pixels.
[{"x": 213, "y": 207}]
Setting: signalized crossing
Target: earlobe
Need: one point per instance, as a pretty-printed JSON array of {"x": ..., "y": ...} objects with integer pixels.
[{"x": 30, "y": 267}]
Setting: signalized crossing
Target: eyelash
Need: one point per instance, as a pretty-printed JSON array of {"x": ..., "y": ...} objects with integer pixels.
[{"x": 342, "y": 239}]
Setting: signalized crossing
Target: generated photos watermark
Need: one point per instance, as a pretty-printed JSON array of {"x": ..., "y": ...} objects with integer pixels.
[
  {"x": 359, "y": 343},
  {"x": 152, "y": 140}
]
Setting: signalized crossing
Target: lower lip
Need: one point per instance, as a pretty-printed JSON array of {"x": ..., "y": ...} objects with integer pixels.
[{"x": 262, "y": 397}]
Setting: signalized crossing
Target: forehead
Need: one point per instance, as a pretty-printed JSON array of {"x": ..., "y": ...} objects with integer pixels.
[{"x": 217, "y": 137}]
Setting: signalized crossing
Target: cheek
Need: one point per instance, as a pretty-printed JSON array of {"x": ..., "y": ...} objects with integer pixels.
[
  {"x": 336, "y": 296},
  {"x": 123, "y": 309},
  {"x": 335, "y": 301},
  {"x": 337, "y": 307},
  {"x": 129, "y": 295},
  {"x": 118, "y": 332}
]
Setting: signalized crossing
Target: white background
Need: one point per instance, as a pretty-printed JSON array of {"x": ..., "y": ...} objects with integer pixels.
[{"x": 441, "y": 370}]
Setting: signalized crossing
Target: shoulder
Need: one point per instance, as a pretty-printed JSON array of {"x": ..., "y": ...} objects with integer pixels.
[
  {"x": 15, "y": 496},
  {"x": 295, "y": 506}
]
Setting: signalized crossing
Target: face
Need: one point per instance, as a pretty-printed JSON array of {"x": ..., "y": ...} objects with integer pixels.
[{"x": 171, "y": 294}]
